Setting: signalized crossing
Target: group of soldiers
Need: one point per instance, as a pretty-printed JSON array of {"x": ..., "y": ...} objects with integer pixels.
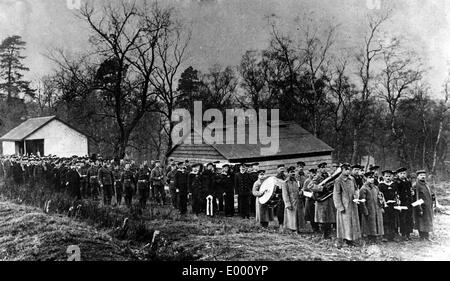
[
  {"x": 356, "y": 203},
  {"x": 88, "y": 177}
]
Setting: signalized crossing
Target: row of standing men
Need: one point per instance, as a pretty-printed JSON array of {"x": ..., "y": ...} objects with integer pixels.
[
  {"x": 359, "y": 204},
  {"x": 381, "y": 210}
]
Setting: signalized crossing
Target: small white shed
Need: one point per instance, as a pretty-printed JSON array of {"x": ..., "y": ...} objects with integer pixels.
[{"x": 45, "y": 136}]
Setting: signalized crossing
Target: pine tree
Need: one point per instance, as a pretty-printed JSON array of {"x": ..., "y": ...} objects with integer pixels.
[{"x": 12, "y": 68}]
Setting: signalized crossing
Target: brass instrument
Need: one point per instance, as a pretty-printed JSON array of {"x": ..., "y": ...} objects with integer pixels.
[{"x": 328, "y": 186}]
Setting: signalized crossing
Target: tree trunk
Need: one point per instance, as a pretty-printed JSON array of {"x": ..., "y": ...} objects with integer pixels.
[
  {"x": 438, "y": 139},
  {"x": 355, "y": 145}
]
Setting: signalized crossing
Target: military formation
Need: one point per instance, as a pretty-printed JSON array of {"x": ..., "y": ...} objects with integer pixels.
[
  {"x": 355, "y": 204},
  {"x": 358, "y": 205}
]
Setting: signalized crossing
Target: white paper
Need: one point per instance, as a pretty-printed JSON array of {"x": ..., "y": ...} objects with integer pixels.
[
  {"x": 391, "y": 201},
  {"x": 401, "y": 208},
  {"x": 308, "y": 194},
  {"x": 359, "y": 200},
  {"x": 418, "y": 202}
]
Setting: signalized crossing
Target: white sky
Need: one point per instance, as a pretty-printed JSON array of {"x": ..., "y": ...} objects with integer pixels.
[{"x": 224, "y": 29}]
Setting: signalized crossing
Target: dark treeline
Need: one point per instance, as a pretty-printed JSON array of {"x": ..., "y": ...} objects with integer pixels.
[{"x": 370, "y": 101}]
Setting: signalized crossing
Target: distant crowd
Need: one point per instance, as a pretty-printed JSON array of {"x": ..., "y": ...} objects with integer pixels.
[{"x": 348, "y": 200}]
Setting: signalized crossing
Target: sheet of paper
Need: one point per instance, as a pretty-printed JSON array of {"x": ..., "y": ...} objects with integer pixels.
[
  {"x": 308, "y": 194},
  {"x": 417, "y": 203}
]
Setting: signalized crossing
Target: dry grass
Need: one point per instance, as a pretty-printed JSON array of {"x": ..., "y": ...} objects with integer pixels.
[{"x": 28, "y": 234}]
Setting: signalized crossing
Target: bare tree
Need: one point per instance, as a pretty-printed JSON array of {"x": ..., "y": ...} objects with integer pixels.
[
  {"x": 316, "y": 53},
  {"x": 443, "y": 109},
  {"x": 218, "y": 86},
  {"x": 170, "y": 53},
  {"x": 365, "y": 58},
  {"x": 342, "y": 93},
  {"x": 400, "y": 70},
  {"x": 128, "y": 37},
  {"x": 253, "y": 71}
]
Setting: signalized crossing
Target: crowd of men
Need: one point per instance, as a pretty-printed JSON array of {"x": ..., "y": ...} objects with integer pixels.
[{"x": 355, "y": 204}]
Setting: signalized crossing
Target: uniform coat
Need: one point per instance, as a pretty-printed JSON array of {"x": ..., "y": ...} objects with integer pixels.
[
  {"x": 390, "y": 216},
  {"x": 262, "y": 212},
  {"x": 181, "y": 184},
  {"x": 404, "y": 189},
  {"x": 73, "y": 184},
  {"x": 372, "y": 209},
  {"x": 294, "y": 214},
  {"x": 309, "y": 202},
  {"x": 347, "y": 218},
  {"x": 241, "y": 183},
  {"x": 424, "y": 222},
  {"x": 195, "y": 187}
]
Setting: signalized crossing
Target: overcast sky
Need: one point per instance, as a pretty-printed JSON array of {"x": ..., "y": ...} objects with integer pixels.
[{"x": 224, "y": 29}]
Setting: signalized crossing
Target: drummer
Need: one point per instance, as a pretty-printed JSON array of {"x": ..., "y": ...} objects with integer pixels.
[{"x": 264, "y": 214}]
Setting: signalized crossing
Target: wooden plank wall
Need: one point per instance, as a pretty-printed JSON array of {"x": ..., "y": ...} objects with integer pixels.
[{"x": 311, "y": 162}]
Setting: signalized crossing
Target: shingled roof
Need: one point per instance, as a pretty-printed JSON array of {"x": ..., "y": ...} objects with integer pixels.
[{"x": 293, "y": 141}]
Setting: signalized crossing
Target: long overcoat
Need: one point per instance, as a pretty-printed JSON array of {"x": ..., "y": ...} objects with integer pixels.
[
  {"x": 372, "y": 208},
  {"x": 347, "y": 219},
  {"x": 424, "y": 222},
  {"x": 294, "y": 214}
]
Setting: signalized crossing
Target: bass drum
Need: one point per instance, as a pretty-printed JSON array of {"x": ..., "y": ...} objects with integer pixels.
[{"x": 269, "y": 187}]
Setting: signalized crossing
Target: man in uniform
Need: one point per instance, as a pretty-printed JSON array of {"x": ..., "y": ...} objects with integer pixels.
[
  {"x": 152, "y": 188},
  {"x": 127, "y": 179},
  {"x": 390, "y": 219},
  {"x": 92, "y": 176},
  {"x": 294, "y": 214},
  {"x": 208, "y": 185},
  {"x": 170, "y": 175},
  {"x": 195, "y": 186},
  {"x": 424, "y": 213},
  {"x": 83, "y": 170},
  {"x": 405, "y": 195},
  {"x": 279, "y": 209},
  {"x": 106, "y": 181},
  {"x": 372, "y": 209},
  {"x": 310, "y": 202},
  {"x": 264, "y": 214},
  {"x": 73, "y": 182},
  {"x": 325, "y": 212},
  {"x": 143, "y": 179},
  {"x": 225, "y": 183},
  {"x": 181, "y": 181},
  {"x": 241, "y": 180},
  {"x": 347, "y": 217},
  {"x": 118, "y": 187},
  {"x": 157, "y": 180},
  {"x": 253, "y": 176}
]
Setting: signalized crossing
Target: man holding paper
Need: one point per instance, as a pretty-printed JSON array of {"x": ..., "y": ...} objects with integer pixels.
[
  {"x": 372, "y": 203},
  {"x": 390, "y": 216},
  {"x": 404, "y": 189},
  {"x": 347, "y": 219},
  {"x": 424, "y": 211}
]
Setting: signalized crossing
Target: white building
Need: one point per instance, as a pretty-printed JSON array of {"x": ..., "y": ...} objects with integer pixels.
[{"x": 45, "y": 136}]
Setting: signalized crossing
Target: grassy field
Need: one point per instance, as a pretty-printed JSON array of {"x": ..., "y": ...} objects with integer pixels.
[{"x": 27, "y": 233}]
